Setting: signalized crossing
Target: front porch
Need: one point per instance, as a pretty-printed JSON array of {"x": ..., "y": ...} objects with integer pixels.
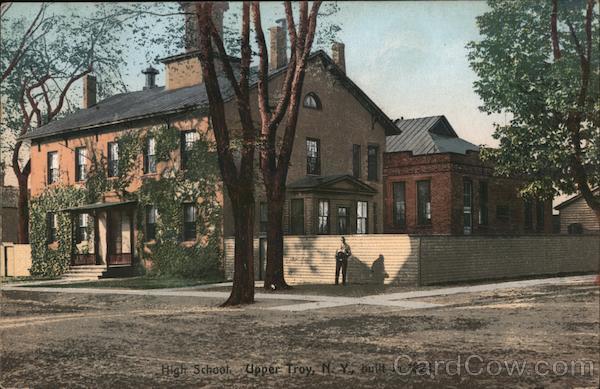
[{"x": 103, "y": 236}]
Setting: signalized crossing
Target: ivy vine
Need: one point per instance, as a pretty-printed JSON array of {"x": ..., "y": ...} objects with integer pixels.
[{"x": 167, "y": 191}]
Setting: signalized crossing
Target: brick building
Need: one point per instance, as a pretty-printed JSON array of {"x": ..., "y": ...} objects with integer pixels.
[
  {"x": 435, "y": 183},
  {"x": 335, "y": 176}
]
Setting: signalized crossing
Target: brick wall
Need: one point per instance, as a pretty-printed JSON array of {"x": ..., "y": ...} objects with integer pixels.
[
  {"x": 447, "y": 173},
  {"x": 429, "y": 260},
  {"x": 453, "y": 259}
]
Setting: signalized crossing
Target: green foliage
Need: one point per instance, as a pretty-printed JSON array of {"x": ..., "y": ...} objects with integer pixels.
[
  {"x": 52, "y": 261},
  {"x": 169, "y": 256},
  {"x": 197, "y": 184},
  {"x": 517, "y": 75}
]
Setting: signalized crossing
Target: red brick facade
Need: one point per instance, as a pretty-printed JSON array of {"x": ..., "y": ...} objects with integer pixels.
[{"x": 447, "y": 174}]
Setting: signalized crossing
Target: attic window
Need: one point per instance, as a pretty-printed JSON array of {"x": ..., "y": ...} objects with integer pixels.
[{"x": 311, "y": 100}]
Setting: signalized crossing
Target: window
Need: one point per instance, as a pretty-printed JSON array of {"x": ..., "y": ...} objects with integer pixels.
[
  {"x": 343, "y": 214},
  {"x": 80, "y": 163},
  {"x": 372, "y": 162},
  {"x": 264, "y": 217},
  {"x": 374, "y": 218},
  {"x": 82, "y": 227},
  {"x": 502, "y": 213},
  {"x": 52, "y": 224},
  {"x": 528, "y": 215},
  {"x": 323, "y": 217},
  {"x": 151, "y": 216},
  {"x": 189, "y": 222},
  {"x": 297, "y": 217},
  {"x": 399, "y": 206},
  {"x": 113, "y": 159},
  {"x": 361, "y": 217},
  {"x": 423, "y": 202},
  {"x": 188, "y": 138},
  {"x": 356, "y": 161},
  {"x": 467, "y": 206},
  {"x": 312, "y": 101},
  {"x": 539, "y": 216},
  {"x": 483, "y": 203},
  {"x": 150, "y": 156},
  {"x": 53, "y": 167},
  {"x": 313, "y": 157}
]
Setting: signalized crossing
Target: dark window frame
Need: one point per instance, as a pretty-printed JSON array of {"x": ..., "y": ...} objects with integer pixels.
[
  {"x": 346, "y": 218},
  {"x": 189, "y": 226},
  {"x": 309, "y": 158},
  {"x": 365, "y": 217},
  {"x": 540, "y": 216},
  {"x": 484, "y": 216},
  {"x": 80, "y": 168},
  {"x": 150, "y": 227},
  {"x": 150, "y": 159},
  {"x": 356, "y": 162},
  {"x": 185, "y": 147},
  {"x": 113, "y": 162},
  {"x": 424, "y": 215},
  {"x": 263, "y": 214},
  {"x": 528, "y": 215},
  {"x": 317, "y": 101},
  {"x": 296, "y": 226},
  {"x": 53, "y": 172},
  {"x": 467, "y": 209},
  {"x": 373, "y": 164},
  {"x": 326, "y": 218},
  {"x": 395, "y": 219},
  {"x": 503, "y": 213},
  {"x": 82, "y": 235},
  {"x": 51, "y": 227}
]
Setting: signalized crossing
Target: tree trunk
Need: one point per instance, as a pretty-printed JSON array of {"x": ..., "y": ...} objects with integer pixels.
[
  {"x": 23, "y": 209},
  {"x": 275, "y": 276},
  {"x": 242, "y": 291}
]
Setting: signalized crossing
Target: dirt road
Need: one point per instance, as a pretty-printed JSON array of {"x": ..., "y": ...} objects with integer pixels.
[{"x": 474, "y": 340}]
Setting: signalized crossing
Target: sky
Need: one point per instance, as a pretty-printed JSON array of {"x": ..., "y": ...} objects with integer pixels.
[{"x": 409, "y": 57}]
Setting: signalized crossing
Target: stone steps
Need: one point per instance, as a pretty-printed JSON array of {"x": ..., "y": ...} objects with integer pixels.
[{"x": 88, "y": 272}]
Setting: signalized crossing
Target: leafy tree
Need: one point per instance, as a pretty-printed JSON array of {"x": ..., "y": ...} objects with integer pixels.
[
  {"x": 538, "y": 62},
  {"x": 43, "y": 56}
]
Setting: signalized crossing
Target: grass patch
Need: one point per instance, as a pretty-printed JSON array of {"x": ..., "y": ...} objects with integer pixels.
[
  {"x": 9, "y": 280},
  {"x": 145, "y": 282}
]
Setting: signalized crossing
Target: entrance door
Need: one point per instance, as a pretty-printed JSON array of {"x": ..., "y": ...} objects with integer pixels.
[
  {"x": 119, "y": 231},
  {"x": 343, "y": 220}
]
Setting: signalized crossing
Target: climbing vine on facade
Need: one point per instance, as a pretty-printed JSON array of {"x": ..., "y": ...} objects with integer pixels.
[{"x": 167, "y": 191}]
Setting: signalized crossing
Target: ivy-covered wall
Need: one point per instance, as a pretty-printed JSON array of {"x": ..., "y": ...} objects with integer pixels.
[{"x": 167, "y": 190}]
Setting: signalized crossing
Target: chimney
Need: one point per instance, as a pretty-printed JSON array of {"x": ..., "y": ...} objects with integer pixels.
[
  {"x": 150, "y": 74},
  {"x": 191, "y": 21},
  {"x": 338, "y": 55},
  {"x": 89, "y": 91},
  {"x": 278, "y": 47}
]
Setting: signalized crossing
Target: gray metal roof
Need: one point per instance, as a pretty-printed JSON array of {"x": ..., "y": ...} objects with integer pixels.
[
  {"x": 428, "y": 135},
  {"x": 126, "y": 107}
]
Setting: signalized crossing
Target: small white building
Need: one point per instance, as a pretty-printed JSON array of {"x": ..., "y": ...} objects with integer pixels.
[{"x": 576, "y": 217}]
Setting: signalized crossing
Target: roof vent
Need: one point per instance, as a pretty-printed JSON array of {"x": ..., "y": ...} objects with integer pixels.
[{"x": 150, "y": 73}]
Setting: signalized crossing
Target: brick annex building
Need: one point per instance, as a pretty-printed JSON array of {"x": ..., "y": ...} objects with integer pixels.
[{"x": 353, "y": 170}]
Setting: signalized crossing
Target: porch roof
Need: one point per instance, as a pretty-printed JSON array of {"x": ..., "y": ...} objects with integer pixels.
[
  {"x": 97, "y": 206},
  {"x": 342, "y": 183}
]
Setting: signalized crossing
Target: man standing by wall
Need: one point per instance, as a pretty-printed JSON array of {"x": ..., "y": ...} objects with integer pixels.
[{"x": 341, "y": 261}]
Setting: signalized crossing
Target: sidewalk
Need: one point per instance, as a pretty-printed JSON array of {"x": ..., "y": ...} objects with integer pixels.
[{"x": 308, "y": 302}]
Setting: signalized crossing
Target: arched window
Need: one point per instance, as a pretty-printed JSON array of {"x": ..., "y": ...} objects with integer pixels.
[{"x": 312, "y": 101}]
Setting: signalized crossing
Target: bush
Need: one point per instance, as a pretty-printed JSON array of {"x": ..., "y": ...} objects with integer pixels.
[{"x": 171, "y": 259}]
